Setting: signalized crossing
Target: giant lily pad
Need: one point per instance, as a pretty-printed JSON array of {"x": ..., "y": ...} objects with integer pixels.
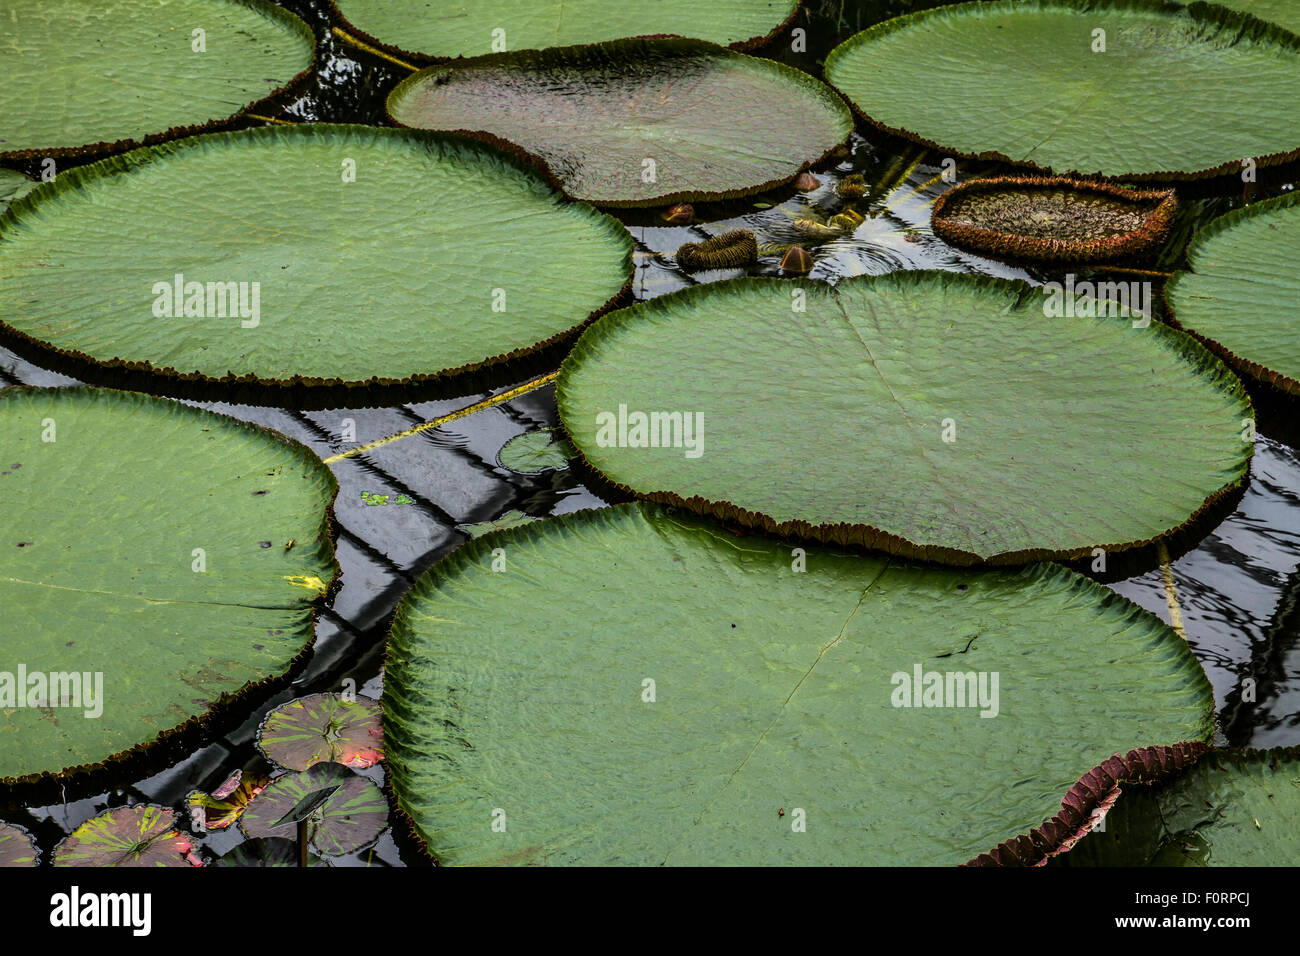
[
  {"x": 1163, "y": 100},
  {"x": 728, "y": 700},
  {"x": 1242, "y": 295},
  {"x": 932, "y": 414},
  {"x": 637, "y": 122},
  {"x": 344, "y": 812},
  {"x": 124, "y": 71},
  {"x": 137, "y": 593},
  {"x": 1233, "y": 808},
  {"x": 252, "y": 255},
  {"x": 128, "y": 836},
  {"x": 323, "y": 728},
  {"x": 486, "y": 26},
  {"x": 1285, "y": 13}
]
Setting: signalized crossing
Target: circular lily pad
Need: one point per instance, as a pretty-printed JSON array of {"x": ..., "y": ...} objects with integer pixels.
[
  {"x": 345, "y": 811},
  {"x": 137, "y": 593},
  {"x": 323, "y": 728},
  {"x": 17, "y": 848},
  {"x": 131, "y": 70},
  {"x": 1053, "y": 218},
  {"x": 128, "y": 836},
  {"x": 254, "y": 256},
  {"x": 952, "y": 417},
  {"x": 491, "y": 26},
  {"x": 1130, "y": 89},
  {"x": 729, "y": 700},
  {"x": 535, "y": 452},
  {"x": 1242, "y": 293},
  {"x": 637, "y": 122}
]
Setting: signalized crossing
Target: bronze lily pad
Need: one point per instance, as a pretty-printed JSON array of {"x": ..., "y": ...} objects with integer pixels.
[{"x": 1053, "y": 219}]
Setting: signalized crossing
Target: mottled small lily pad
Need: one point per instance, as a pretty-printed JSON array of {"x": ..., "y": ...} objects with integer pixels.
[
  {"x": 128, "y": 836},
  {"x": 219, "y": 809},
  {"x": 535, "y": 452},
  {"x": 323, "y": 728},
  {"x": 352, "y": 814},
  {"x": 16, "y": 846}
]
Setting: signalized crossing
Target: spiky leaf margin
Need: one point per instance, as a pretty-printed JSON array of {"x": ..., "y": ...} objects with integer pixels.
[{"x": 1150, "y": 234}]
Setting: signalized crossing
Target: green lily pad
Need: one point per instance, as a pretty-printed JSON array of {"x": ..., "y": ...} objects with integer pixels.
[
  {"x": 1242, "y": 293},
  {"x": 78, "y": 73},
  {"x": 267, "y": 851},
  {"x": 17, "y": 848},
  {"x": 931, "y": 414},
  {"x": 468, "y": 29},
  {"x": 1233, "y": 808},
  {"x": 1175, "y": 78},
  {"x": 724, "y": 689},
  {"x": 219, "y": 809},
  {"x": 1285, "y": 13},
  {"x": 535, "y": 452},
  {"x": 637, "y": 122},
  {"x": 351, "y": 815},
  {"x": 128, "y": 836},
  {"x": 14, "y": 186},
  {"x": 323, "y": 728},
  {"x": 511, "y": 519},
  {"x": 406, "y": 261},
  {"x": 138, "y": 598}
]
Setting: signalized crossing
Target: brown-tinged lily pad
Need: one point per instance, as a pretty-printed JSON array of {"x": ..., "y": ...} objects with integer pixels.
[
  {"x": 16, "y": 846},
  {"x": 128, "y": 836},
  {"x": 1054, "y": 218},
  {"x": 323, "y": 728},
  {"x": 637, "y": 122}
]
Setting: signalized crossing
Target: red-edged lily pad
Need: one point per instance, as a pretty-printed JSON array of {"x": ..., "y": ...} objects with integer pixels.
[
  {"x": 128, "y": 836},
  {"x": 324, "y": 728}
]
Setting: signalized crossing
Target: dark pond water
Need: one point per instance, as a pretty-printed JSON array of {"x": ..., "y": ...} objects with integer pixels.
[{"x": 1237, "y": 591}]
